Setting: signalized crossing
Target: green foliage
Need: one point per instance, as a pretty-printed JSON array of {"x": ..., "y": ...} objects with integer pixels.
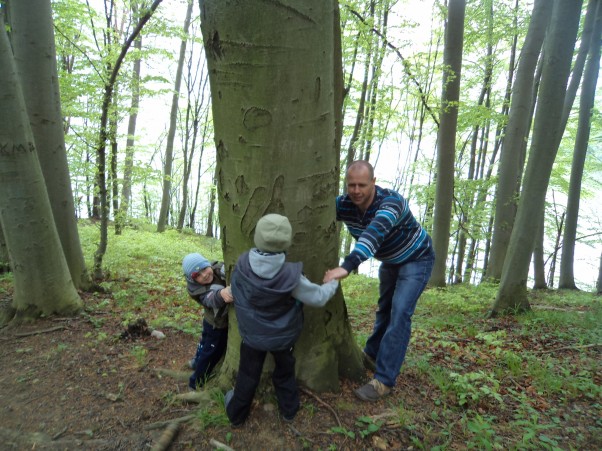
[{"x": 367, "y": 426}]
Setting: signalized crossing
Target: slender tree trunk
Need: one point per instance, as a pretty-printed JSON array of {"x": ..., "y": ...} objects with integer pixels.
[
  {"x": 280, "y": 153},
  {"x": 554, "y": 256},
  {"x": 560, "y": 43},
  {"x": 128, "y": 163},
  {"x": 166, "y": 198},
  {"x": 452, "y": 62},
  {"x": 33, "y": 45},
  {"x": 210, "y": 215},
  {"x": 586, "y": 104},
  {"x": 599, "y": 283},
  {"x": 516, "y": 134},
  {"x": 102, "y": 140}
]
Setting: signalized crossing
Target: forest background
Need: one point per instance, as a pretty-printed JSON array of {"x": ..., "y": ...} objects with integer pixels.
[
  {"x": 481, "y": 113},
  {"x": 392, "y": 57}
]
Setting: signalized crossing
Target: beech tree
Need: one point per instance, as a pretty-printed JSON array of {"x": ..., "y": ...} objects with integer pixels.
[
  {"x": 276, "y": 84},
  {"x": 586, "y": 104},
  {"x": 32, "y": 40},
  {"x": 558, "y": 52},
  {"x": 42, "y": 281},
  {"x": 446, "y": 139},
  {"x": 515, "y": 139}
]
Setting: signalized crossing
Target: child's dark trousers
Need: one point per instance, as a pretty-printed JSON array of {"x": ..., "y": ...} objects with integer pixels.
[
  {"x": 212, "y": 347},
  {"x": 247, "y": 380}
]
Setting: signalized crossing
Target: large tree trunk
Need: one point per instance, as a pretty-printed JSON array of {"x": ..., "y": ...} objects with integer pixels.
[
  {"x": 276, "y": 86},
  {"x": 42, "y": 282},
  {"x": 516, "y": 134},
  {"x": 586, "y": 104},
  {"x": 32, "y": 38},
  {"x": 166, "y": 197},
  {"x": 446, "y": 147},
  {"x": 560, "y": 43}
]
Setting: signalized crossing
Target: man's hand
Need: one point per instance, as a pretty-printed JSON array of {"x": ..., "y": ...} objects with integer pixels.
[
  {"x": 226, "y": 294},
  {"x": 336, "y": 273}
]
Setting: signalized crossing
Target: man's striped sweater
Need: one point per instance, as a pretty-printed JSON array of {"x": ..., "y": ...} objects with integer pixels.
[{"x": 387, "y": 230}]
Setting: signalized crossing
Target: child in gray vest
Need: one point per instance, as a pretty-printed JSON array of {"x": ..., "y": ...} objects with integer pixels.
[{"x": 270, "y": 294}]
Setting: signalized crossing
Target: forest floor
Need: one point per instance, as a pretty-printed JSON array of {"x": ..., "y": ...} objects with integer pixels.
[
  {"x": 529, "y": 381},
  {"x": 84, "y": 383}
]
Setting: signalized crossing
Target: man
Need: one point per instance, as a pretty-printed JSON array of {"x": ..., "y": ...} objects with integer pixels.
[{"x": 381, "y": 222}]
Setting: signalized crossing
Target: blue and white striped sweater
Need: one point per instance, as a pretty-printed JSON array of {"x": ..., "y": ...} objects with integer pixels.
[{"x": 387, "y": 231}]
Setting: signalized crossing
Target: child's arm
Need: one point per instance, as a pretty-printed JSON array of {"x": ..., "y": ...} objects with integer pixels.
[
  {"x": 213, "y": 297},
  {"x": 313, "y": 294}
]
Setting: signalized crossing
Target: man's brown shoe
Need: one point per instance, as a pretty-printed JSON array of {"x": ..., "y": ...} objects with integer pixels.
[{"x": 372, "y": 391}]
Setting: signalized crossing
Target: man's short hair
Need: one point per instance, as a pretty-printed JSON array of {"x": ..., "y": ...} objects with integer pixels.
[{"x": 361, "y": 164}]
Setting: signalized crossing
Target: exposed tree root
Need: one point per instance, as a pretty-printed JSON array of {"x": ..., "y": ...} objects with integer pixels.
[
  {"x": 168, "y": 436},
  {"x": 161, "y": 424},
  {"x": 313, "y": 395}
]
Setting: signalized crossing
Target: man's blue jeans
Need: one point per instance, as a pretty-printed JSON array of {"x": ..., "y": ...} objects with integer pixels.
[{"x": 400, "y": 288}]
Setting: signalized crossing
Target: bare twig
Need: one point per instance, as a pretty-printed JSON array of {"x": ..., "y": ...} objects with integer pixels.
[
  {"x": 220, "y": 445},
  {"x": 313, "y": 395},
  {"x": 592, "y": 345},
  {"x": 39, "y": 331}
]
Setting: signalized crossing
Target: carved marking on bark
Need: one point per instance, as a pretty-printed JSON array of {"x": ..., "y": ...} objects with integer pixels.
[
  {"x": 241, "y": 185},
  {"x": 215, "y": 46},
  {"x": 7, "y": 149},
  {"x": 255, "y": 118},
  {"x": 254, "y": 210},
  {"x": 317, "y": 89},
  {"x": 290, "y": 9}
]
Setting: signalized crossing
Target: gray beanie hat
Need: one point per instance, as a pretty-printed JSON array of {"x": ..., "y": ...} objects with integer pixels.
[
  {"x": 194, "y": 264},
  {"x": 273, "y": 233}
]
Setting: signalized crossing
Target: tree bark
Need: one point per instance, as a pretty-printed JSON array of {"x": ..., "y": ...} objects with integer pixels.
[
  {"x": 276, "y": 85},
  {"x": 539, "y": 266},
  {"x": 32, "y": 38},
  {"x": 586, "y": 105},
  {"x": 519, "y": 116},
  {"x": 42, "y": 281},
  {"x": 446, "y": 148},
  {"x": 560, "y": 43}
]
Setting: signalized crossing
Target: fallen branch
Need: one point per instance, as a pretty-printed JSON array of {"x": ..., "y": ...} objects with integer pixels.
[
  {"x": 562, "y": 348},
  {"x": 168, "y": 436},
  {"x": 160, "y": 424},
  {"x": 313, "y": 395},
  {"x": 40, "y": 331},
  {"x": 220, "y": 445}
]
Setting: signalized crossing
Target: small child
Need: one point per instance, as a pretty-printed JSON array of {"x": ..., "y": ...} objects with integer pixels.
[
  {"x": 206, "y": 285},
  {"x": 269, "y": 295}
]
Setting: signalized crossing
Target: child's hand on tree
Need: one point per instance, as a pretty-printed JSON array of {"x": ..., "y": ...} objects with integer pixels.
[{"x": 226, "y": 294}]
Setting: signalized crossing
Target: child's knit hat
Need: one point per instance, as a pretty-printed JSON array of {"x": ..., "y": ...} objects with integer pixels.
[
  {"x": 193, "y": 264},
  {"x": 273, "y": 233}
]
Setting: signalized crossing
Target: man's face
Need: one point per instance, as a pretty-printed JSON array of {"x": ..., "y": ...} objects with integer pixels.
[
  {"x": 360, "y": 187},
  {"x": 205, "y": 276}
]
